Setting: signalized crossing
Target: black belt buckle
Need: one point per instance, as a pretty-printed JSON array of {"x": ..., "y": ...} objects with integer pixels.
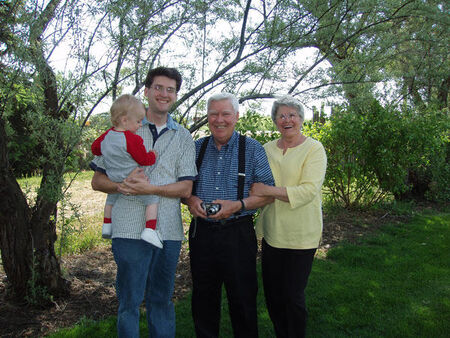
[
  {"x": 234, "y": 220},
  {"x": 224, "y": 223}
]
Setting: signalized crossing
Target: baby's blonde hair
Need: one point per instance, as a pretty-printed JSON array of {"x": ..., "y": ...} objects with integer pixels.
[{"x": 123, "y": 106}]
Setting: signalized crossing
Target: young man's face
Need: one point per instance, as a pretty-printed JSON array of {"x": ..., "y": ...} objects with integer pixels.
[
  {"x": 221, "y": 120},
  {"x": 161, "y": 95}
]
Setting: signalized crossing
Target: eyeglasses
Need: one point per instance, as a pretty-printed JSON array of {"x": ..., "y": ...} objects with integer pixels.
[
  {"x": 161, "y": 89},
  {"x": 291, "y": 116}
]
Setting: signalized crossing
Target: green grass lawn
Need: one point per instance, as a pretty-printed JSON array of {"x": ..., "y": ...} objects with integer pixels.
[{"x": 395, "y": 283}]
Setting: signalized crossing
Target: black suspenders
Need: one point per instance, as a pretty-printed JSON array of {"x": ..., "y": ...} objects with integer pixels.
[
  {"x": 241, "y": 167},
  {"x": 241, "y": 163}
]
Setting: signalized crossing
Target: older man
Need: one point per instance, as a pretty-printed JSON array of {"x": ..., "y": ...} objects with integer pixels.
[{"x": 222, "y": 239}]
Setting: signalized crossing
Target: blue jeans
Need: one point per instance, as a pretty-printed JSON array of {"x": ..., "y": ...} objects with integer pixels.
[{"x": 145, "y": 272}]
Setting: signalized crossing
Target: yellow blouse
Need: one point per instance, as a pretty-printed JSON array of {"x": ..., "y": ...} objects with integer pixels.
[{"x": 297, "y": 224}]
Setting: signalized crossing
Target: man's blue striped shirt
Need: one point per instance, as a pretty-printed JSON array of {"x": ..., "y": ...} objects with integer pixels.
[{"x": 218, "y": 175}]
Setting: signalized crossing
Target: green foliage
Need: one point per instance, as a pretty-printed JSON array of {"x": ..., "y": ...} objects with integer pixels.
[
  {"x": 78, "y": 235},
  {"x": 69, "y": 225},
  {"x": 22, "y": 145},
  {"x": 349, "y": 180},
  {"x": 434, "y": 163},
  {"x": 37, "y": 294},
  {"x": 373, "y": 153},
  {"x": 81, "y": 155},
  {"x": 257, "y": 126},
  {"x": 406, "y": 148},
  {"x": 35, "y": 139}
]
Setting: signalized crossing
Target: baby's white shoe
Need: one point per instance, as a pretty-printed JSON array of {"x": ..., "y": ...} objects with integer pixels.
[
  {"x": 153, "y": 237},
  {"x": 107, "y": 230}
]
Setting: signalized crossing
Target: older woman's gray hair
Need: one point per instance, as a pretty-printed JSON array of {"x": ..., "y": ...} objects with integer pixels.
[
  {"x": 289, "y": 101},
  {"x": 224, "y": 96}
]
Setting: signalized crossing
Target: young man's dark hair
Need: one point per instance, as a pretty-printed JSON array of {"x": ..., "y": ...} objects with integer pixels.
[{"x": 171, "y": 73}]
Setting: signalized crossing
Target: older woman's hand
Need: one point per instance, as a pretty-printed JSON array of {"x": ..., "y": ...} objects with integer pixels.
[{"x": 258, "y": 189}]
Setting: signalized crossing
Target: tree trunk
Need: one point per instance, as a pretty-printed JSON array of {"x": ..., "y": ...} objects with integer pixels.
[
  {"x": 27, "y": 240},
  {"x": 43, "y": 228},
  {"x": 27, "y": 237},
  {"x": 15, "y": 234}
]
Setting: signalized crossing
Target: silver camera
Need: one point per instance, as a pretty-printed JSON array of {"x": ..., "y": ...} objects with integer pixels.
[{"x": 211, "y": 208}]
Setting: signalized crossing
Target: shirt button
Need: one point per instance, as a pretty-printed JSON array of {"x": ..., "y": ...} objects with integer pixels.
[
  {"x": 217, "y": 188},
  {"x": 218, "y": 173},
  {"x": 220, "y": 157}
]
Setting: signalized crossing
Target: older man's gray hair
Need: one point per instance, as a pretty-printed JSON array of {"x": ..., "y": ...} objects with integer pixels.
[
  {"x": 288, "y": 101},
  {"x": 224, "y": 96}
]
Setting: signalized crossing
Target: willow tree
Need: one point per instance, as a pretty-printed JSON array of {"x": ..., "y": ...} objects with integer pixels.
[
  {"x": 252, "y": 48},
  {"x": 51, "y": 101},
  {"x": 27, "y": 234},
  {"x": 109, "y": 46}
]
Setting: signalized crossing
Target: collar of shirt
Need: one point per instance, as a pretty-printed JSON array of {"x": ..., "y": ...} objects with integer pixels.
[
  {"x": 233, "y": 139},
  {"x": 171, "y": 124}
]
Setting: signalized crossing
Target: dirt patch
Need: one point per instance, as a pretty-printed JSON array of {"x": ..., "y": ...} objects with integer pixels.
[{"x": 92, "y": 276}]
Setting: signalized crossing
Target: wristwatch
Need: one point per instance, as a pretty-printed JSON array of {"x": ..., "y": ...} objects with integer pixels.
[{"x": 243, "y": 205}]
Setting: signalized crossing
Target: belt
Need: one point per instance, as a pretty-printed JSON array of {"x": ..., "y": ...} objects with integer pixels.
[{"x": 225, "y": 223}]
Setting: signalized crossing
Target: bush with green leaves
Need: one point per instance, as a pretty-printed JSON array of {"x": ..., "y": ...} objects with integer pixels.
[
  {"x": 408, "y": 151},
  {"x": 349, "y": 181},
  {"x": 23, "y": 149},
  {"x": 257, "y": 126},
  {"x": 81, "y": 156},
  {"x": 379, "y": 152}
]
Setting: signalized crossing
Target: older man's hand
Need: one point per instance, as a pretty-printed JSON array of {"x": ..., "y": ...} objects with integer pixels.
[
  {"x": 195, "y": 206},
  {"x": 227, "y": 209}
]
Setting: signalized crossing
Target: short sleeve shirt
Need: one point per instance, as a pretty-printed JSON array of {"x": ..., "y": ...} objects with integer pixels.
[
  {"x": 218, "y": 172},
  {"x": 175, "y": 162}
]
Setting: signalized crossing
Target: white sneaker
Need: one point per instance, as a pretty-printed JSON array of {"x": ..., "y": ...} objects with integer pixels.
[
  {"x": 107, "y": 230},
  {"x": 153, "y": 237}
]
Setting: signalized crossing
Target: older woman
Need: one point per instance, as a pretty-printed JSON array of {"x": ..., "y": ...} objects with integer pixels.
[{"x": 291, "y": 227}]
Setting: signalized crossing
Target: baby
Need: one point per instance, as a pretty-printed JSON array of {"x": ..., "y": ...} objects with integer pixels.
[{"x": 122, "y": 151}]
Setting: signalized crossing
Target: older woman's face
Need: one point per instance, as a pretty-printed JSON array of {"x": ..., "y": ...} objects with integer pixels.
[{"x": 288, "y": 121}]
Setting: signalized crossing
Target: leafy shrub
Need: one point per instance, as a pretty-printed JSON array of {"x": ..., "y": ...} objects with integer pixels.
[
  {"x": 81, "y": 156},
  {"x": 257, "y": 126},
  {"x": 379, "y": 152},
  {"x": 406, "y": 149},
  {"x": 349, "y": 180}
]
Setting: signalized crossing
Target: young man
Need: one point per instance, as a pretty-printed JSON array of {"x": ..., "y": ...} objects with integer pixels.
[
  {"x": 144, "y": 271},
  {"x": 222, "y": 241}
]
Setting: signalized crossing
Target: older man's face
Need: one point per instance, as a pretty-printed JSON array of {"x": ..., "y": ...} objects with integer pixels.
[{"x": 221, "y": 120}]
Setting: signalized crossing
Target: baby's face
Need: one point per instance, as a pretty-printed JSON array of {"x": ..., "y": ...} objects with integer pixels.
[{"x": 134, "y": 118}]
